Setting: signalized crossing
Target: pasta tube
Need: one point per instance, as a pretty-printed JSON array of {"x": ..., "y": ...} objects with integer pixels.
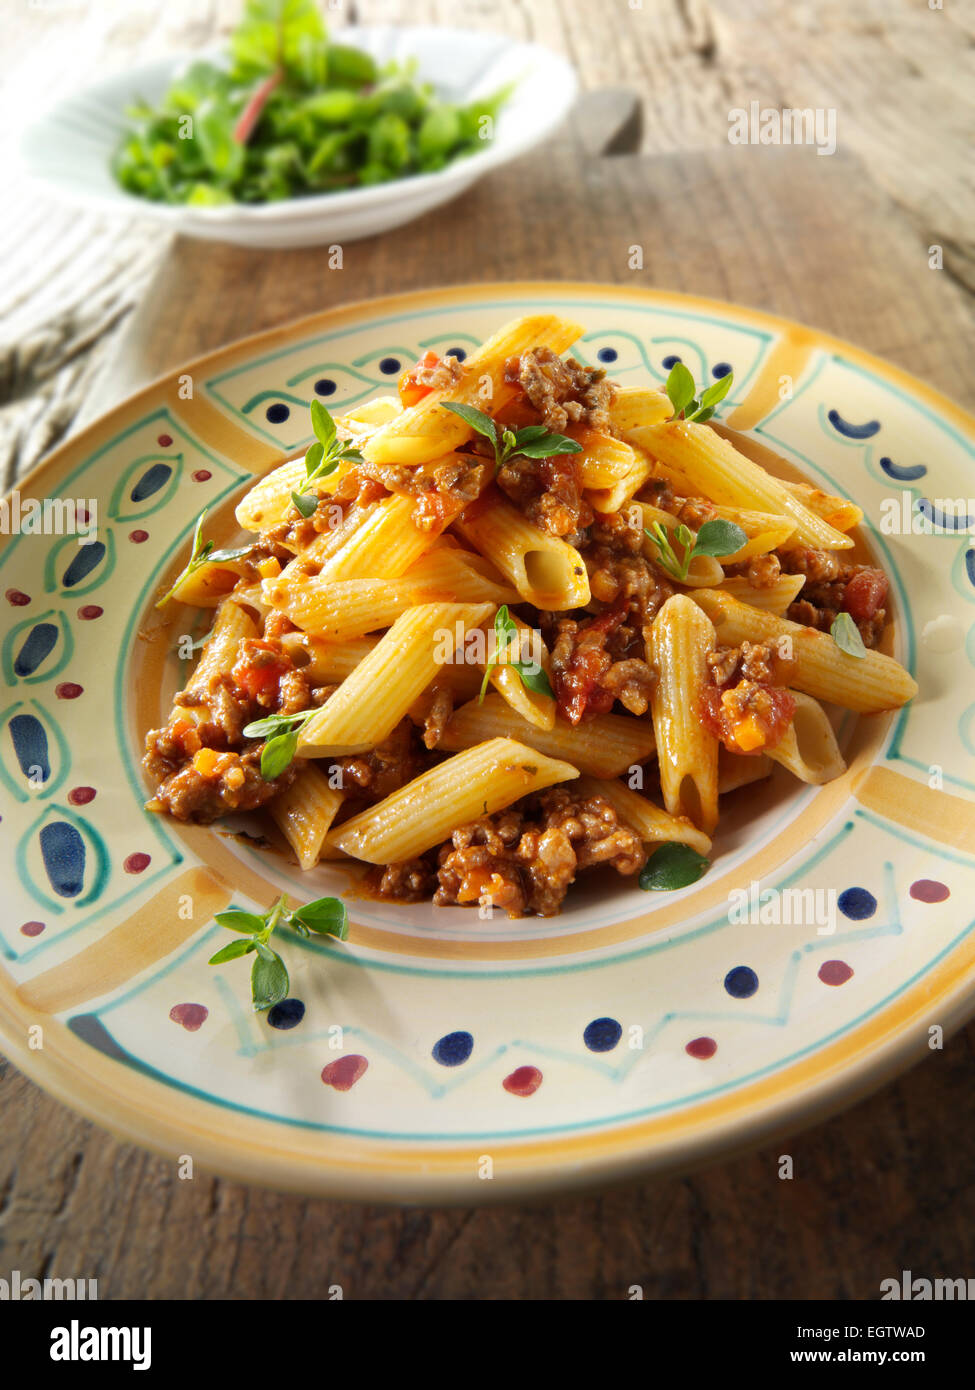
[
  {"x": 687, "y": 754},
  {"x": 478, "y": 782}
]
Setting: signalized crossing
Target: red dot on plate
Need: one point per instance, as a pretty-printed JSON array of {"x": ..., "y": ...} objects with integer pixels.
[
  {"x": 165, "y": 440},
  {"x": 344, "y": 1072},
  {"x": 202, "y": 475},
  {"x": 929, "y": 890},
  {"x": 17, "y": 597},
  {"x": 523, "y": 1081},
  {"x": 136, "y": 863},
  {"x": 68, "y": 690},
  {"x": 191, "y": 1016},
  {"x": 32, "y": 928},
  {"x": 138, "y": 536},
  {"x": 835, "y": 972},
  {"x": 80, "y": 796},
  {"x": 701, "y": 1048},
  {"x": 89, "y": 612}
]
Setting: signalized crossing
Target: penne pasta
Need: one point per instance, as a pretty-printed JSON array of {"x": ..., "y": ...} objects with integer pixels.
[
  {"x": 543, "y": 569},
  {"x": 612, "y": 498},
  {"x": 711, "y": 466},
  {"x": 639, "y": 407},
  {"x": 741, "y": 770},
  {"x": 867, "y": 684},
  {"x": 687, "y": 754},
  {"x": 774, "y": 598},
  {"x": 533, "y": 705},
  {"x": 604, "y": 461},
  {"x": 607, "y": 745},
  {"x": 838, "y": 512},
  {"x": 304, "y": 813},
  {"x": 478, "y": 782},
  {"x": 401, "y": 665},
  {"x": 809, "y": 748},
  {"x": 340, "y": 609},
  {"x": 651, "y": 823}
]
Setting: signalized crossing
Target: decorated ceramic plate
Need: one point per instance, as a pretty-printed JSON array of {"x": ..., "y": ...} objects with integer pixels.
[{"x": 436, "y": 1056}]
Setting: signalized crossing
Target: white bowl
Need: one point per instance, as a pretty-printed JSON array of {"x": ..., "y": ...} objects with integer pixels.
[{"x": 70, "y": 146}]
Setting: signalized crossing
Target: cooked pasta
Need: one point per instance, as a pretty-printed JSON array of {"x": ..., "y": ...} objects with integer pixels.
[{"x": 513, "y": 623}]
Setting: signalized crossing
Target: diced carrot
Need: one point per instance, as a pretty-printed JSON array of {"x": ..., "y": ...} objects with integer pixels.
[{"x": 207, "y": 762}]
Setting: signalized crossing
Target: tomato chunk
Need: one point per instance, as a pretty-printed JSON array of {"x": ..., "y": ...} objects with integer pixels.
[
  {"x": 865, "y": 593},
  {"x": 410, "y": 389}
]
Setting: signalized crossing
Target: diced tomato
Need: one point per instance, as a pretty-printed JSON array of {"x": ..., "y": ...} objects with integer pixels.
[
  {"x": 259, "y": 679},
  {"x": 864, "y": 594},
  {"x": 577, "y": 689},
  {"x": 411, "y": 390}
]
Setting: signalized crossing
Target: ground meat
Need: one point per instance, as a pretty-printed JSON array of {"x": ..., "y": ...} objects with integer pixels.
[
  {"x": 619, "y": 572},
  {"x": 408, "y": 882},
  {"x": 371, "y": 777},
  {"x": 263, "y": 679},
  {"x": 548, "y": 491},
  {"x": 563, "y": 391},
  {"x": 752, "y": 661},
  {"x": 763, "y": 571},
  {"x": 695, "y": 511},
  {"x": 832, "y": 586},
  {"x": 598, "y": 660},
  {"x": 439, "y": 492},
  {"x": 523, "y": 859},
  {"x": 435, "y": 721},
  {"x": 187, "y": 795},
  {"x": 631, "y": 682}
]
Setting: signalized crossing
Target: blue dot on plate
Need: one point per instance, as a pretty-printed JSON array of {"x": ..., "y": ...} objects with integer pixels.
[
  {"x": 741, "y": 982},
  {"x": 287, "y": 1014},
  {"x": 453, "y": 1049},
  {"x": 721, "y": 369},
  {"x": 459, "y": 353},
  {"x": 607, "y": 354},
  {"x": 857, "y": 903},
  {"x": 325, "y": 386},
  {"x": 602, "y": 1034},
  {"x": 389, "y": 365},
  {"x": 671, "y": 361},
  {"x": 277, "y": 413}
]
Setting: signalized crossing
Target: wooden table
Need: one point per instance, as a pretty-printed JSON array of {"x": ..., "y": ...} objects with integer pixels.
[{"x": 841, "y": 243}]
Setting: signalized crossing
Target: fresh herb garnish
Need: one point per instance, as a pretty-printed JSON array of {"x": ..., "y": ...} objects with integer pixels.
[
  {"x": 203, "y": 553},
  {"x": 846, "y": 635},
  {"x": 531, "y": 442},
  {"x": 681, "y": 390},
  {"x": 269, "y": 974},
  {"x": 672, "y": 866},
  {"x": 281, "y": 732},
  {"x": 532, "y": 675},
  {"x": 716, "y": 538},
  {"x": 322, "y": 458}
]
